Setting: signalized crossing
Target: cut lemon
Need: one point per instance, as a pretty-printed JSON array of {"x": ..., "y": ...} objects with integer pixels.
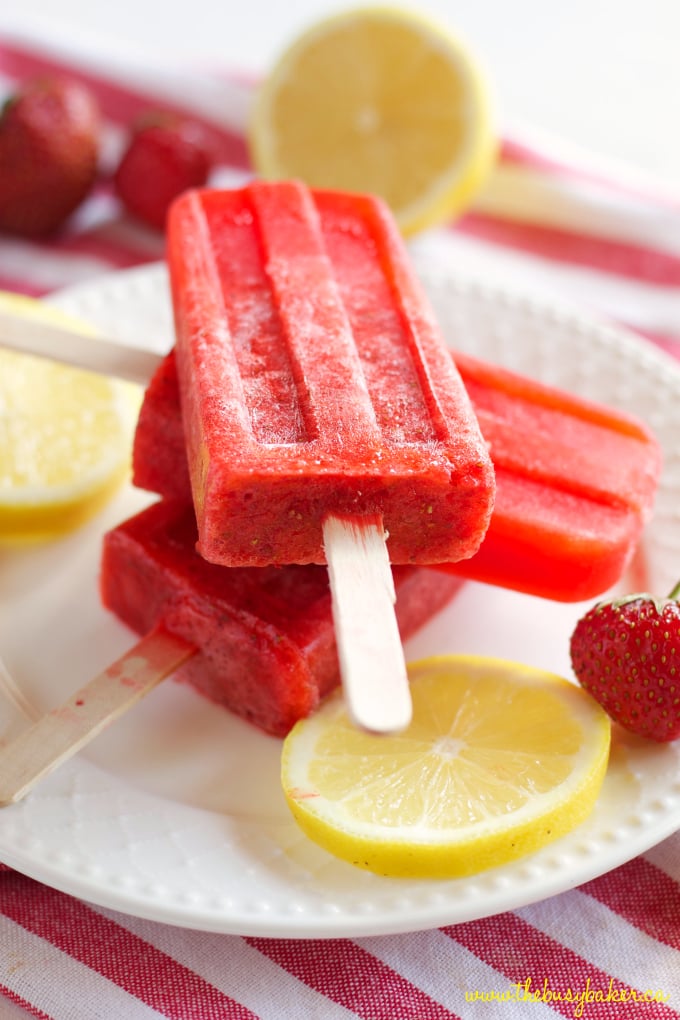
[
  {"x": 65, "y": 438},
  {"x": 499, "y": 760},
  {"x": 378, "y": 100}
]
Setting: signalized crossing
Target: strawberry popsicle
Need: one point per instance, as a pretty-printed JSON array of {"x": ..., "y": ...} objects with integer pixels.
[
  {"x": 575, "y": 481},
  {"x": 266, "y": 638},
  {"x": 324, "y": 420},
  {"x": 314, "y": 381}
]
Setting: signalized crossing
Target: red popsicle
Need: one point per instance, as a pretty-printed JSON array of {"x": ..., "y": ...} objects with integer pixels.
[
  {"x": 315, "y": 382},
  {"x": 575, "y": 481},
  {"x": 267, "y": 647},
  {"x": 324, "y": 420}
]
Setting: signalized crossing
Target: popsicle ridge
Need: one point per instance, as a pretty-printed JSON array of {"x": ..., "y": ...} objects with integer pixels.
[
  {"x": 313, "y": 319},
  {"x": 251, "y": 371},
  {"x": 411, "y": 378}
]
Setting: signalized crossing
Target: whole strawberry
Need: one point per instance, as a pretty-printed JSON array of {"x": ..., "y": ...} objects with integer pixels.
[
  {"x": 49, "y": 149},
  {"x": 626, "y": 652},
  {"x": 165, "y": 156}
]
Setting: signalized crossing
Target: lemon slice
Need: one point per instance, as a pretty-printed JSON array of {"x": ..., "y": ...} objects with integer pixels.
[
  {"x": 499, "y": 760},
  {"x": 383, "y": 101},
  {"x": 65, "y": 438}
]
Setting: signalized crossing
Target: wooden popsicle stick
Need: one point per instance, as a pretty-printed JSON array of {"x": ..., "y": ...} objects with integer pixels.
[
  {"x": 30, "y": 335},
  {"x": 370, "y": 650},
  {"x": 57, "y": 736}
]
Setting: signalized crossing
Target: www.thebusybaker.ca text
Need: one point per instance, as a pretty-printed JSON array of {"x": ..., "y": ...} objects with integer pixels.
[{"x": 526, "y": 991}]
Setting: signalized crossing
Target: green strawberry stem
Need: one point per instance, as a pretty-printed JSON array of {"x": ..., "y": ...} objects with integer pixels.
[{"x": 675, "y": 594}]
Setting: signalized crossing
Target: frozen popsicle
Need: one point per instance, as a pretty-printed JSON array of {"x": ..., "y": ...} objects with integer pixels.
[
  {"x": 576, "y": 484},
  {"x": 315, "y": 382},
  {"x": 324, "y": 419},
  {"x": 575, "y": 480},
  {"x": 266, "y": 637},
  {"x": 258, "y": 641}
]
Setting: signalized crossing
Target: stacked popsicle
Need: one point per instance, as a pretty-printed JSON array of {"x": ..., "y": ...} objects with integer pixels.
[
  {"x": 321, "y": 410},
  {"x": 323, "y": 422},
  {"x": 315, "y": 387}
]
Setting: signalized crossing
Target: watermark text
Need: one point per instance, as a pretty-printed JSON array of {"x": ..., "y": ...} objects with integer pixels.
[{"x": 527, "y": 991}]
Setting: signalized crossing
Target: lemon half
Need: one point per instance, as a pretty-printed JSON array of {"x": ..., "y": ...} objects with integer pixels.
[
  {"x": 65, "y": 438},
  {"x": 379, "y": 100},
  {"x": 499, "y": 760}
]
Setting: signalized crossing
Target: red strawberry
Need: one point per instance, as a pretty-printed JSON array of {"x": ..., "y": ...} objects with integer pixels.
[
  {"x": 49, "y": 148},
  {"x": 164, "y": 158},
  {"x": 626, "y": 652}
]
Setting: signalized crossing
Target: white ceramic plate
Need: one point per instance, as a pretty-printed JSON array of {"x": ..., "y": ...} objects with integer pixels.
[{"x": 175, "y": 813}]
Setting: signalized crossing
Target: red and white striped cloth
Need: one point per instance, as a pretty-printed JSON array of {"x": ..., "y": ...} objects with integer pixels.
[{"x": 553, "y": 222}]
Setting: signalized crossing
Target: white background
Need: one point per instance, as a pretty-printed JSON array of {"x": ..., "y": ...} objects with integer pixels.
[{"x": 604, "y": 74}]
